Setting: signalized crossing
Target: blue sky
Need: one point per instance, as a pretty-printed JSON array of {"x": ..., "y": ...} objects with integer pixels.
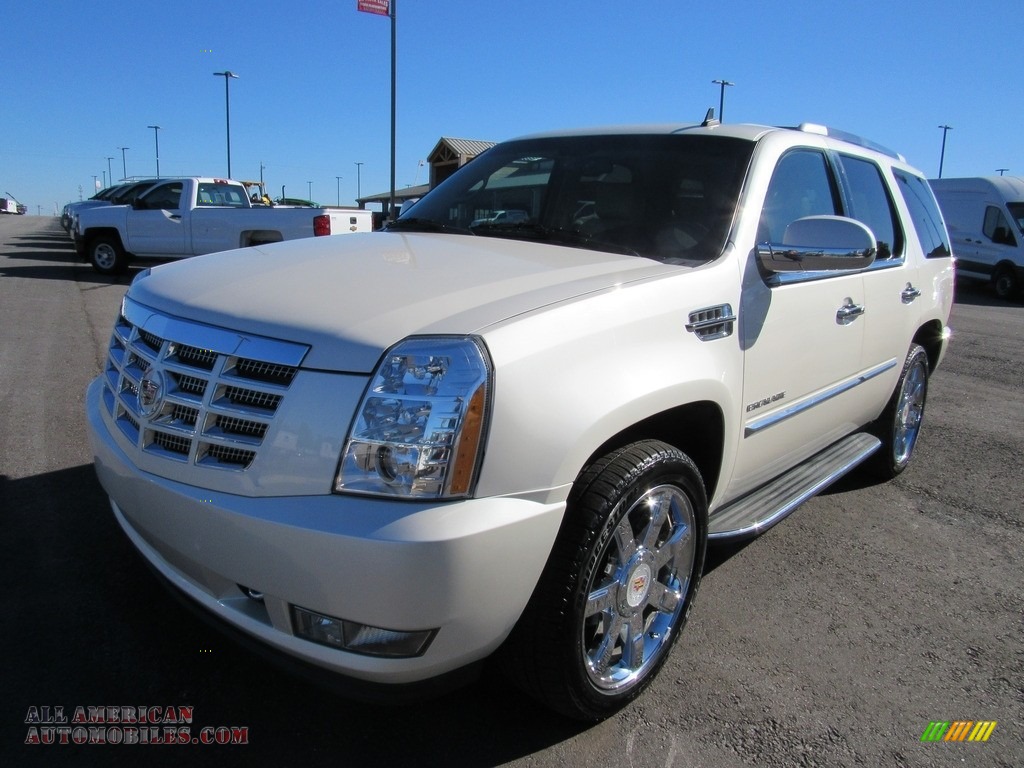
[{"x": 82, "y": 79}]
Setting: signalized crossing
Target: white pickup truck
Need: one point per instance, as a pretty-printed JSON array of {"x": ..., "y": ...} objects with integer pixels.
[
  {"x": 184, "y": 217},
  {"x": 393, "y": 456}
]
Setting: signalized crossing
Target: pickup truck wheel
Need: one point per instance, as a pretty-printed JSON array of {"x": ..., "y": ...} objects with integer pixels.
[
  {"x": 1004, "y": 282},
  {"x": 899, "y": 425},
  {"x": 106, "y": 255},
  {"x": 618, "y": 584}
]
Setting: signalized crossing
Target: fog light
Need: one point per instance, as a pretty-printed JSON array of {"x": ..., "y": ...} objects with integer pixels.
[{"x": 359, "y": 638}]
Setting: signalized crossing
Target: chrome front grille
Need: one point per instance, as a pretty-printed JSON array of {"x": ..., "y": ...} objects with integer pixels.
[{"x": 189, "y": 393}]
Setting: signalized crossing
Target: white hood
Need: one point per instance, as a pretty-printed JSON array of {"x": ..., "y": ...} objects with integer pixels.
[{"x": 351, "y": 297}]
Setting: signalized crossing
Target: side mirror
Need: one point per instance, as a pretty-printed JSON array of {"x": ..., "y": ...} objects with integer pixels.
[{"x": 820, "y": 244}]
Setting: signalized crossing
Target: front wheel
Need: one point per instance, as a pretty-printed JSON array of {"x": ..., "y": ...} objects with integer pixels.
[
  {"x": 900, "y": 424},
  {"x": 106, "y": 255},
  {"x": 1005, "y": 283},
  {"x": 618, "y": 585}
]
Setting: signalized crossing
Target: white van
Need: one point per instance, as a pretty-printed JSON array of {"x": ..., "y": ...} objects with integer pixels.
[{"x": 985, "y": 218}]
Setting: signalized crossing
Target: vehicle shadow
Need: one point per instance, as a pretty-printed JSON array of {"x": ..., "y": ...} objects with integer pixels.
[
  {"x": 96, "y": 628},
  {"x": 979, "y": 293},
  {"x": 46, "y": 244},
  {"x": 49, "y": 254},
  {"x": 55, "y": 241},
  {"x": 79, "y": 273}
]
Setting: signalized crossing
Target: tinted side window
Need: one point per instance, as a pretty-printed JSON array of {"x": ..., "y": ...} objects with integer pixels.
[
  {"x": 801, "y": 186},
  {"x": 924, "y": 212},
  {"x": 166, "y": 196},
  {"x": 997, "y": 228},
  {"x": 1017, "y": 212},
  {"x": 872, "y": 205}
]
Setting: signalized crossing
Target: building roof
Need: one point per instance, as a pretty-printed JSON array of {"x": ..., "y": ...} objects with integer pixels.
[
  {"x": 467, "y": 147},
  {"x": 447, "y": 151},
  {"x": 406, "y": 193}
]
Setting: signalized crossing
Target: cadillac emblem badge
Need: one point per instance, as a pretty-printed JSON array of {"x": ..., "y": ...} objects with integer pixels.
[{"x": 151, "y": 392}]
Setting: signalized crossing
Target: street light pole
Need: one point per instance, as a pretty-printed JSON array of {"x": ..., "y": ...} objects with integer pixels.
[
  {"x": 1001, "y": 171},
  {"x": 227, "y": 75},
  {"x": 942, "y": 157},
  {"x": 339, "y": 190},
  {"x": 124, "y": 164},
  {"x": 110, "y": 173},
  {"x": 394, "y": 75},
  {"x": 721, "y": 98},
  {"x": 359, "y": 180},
  {"x": 309, "y": 193},
  {"x": 156, "y": 138}
]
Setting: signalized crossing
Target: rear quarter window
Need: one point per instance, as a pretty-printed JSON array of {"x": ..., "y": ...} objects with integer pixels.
[{"x": 924, "y": 214}]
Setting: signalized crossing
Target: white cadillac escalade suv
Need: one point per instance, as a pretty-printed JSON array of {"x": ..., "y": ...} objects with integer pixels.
[{"x": 394, "y": 455}]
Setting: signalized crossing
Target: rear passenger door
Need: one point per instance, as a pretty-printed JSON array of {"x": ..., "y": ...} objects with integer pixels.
[{"x": 891, "y": 285}]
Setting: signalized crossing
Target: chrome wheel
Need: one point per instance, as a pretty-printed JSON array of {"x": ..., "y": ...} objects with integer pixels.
[
  {"x": 900, "y": 423},
  {"x": 618, "y": 585},
  {"x": 910, "y": 410},
  {"x": 637, "y": 592}
]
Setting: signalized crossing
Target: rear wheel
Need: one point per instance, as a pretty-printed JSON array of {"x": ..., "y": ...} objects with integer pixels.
[
  {"x": 106, "y": 255},
  {"x": 900, "y": 424},
  {"x": 618, "y": 585}
]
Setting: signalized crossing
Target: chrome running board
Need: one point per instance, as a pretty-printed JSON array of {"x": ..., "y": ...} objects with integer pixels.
[{"x": 760, "y": 510}]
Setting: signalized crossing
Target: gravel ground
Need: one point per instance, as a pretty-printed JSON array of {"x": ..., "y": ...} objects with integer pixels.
[{"x": 833, "y": 640}]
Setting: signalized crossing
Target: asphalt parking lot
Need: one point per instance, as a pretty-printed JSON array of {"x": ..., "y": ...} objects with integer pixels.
[{"x": 833, "y": 640}]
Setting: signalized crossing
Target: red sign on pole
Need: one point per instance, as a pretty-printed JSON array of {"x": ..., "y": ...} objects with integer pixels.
[{"x": 380, "y": 7}]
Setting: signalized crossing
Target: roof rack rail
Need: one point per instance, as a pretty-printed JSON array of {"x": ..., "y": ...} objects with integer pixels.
[{"x": 850, "y": 138}]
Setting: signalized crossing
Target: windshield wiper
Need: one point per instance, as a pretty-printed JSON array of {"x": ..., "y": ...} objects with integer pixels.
[
  {"x": 415, "y": 224},
  {"x": 555, "y": 235}
]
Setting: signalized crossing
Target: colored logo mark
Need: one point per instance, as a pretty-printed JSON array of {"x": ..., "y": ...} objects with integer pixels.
[{"x": 959, "y": 730}]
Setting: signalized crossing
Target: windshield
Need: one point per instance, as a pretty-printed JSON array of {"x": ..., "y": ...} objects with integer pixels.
[
  {"x": 1017, "y": 211},
  {"x": 668, "y": 197}
]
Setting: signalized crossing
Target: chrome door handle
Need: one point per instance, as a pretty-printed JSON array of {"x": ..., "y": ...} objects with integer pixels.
[
  {"x": 909, "y": 294},
  {"x": 174, "y": 216},
  {"x": 849, "y": 312}
]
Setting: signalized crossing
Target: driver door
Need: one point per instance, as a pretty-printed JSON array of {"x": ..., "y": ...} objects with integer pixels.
[
  {"x": 157, "y": 225},
  {"x": 801, "y": 334}
]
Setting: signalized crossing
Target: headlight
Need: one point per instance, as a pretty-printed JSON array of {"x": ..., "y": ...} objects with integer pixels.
[{"x": 419, "y": 429}]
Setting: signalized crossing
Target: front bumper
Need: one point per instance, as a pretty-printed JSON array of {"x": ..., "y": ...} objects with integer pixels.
[{"x": 465, "y": 569}]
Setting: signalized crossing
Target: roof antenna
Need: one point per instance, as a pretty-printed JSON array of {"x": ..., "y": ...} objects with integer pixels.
[{"x": 709, "y": 118}]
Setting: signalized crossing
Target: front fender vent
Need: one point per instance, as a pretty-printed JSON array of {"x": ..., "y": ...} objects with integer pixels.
[{"x": 712, "y": 323}]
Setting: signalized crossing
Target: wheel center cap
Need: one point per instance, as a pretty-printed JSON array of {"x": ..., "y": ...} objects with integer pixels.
[{"x": 639, "y": 585}]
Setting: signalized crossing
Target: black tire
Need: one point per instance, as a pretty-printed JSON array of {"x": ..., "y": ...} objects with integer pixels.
[
  {"x": 900, "y": 423},
  {"x": 620, "y": 580},
  {"x": 106, "y": 255},
  {"x": 1005, "y": 283}
]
